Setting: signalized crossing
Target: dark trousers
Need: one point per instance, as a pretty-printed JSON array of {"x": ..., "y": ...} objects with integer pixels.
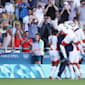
[{"x": 62, "y": 68}]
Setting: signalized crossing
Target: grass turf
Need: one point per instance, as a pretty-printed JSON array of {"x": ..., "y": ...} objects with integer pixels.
[{"x": 40, "y": 82}]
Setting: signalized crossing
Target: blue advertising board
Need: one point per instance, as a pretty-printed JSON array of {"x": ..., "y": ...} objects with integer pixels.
[
  {"x": 24, "y": 58},
  {"x": 21, "y": 58}
]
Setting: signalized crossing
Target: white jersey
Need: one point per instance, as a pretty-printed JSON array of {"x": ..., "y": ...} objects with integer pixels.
[
  {"x": 53, "y": 52},
  {"x": 73, "y": 55},
  {"x": 70, "y": 25},
  {"x": 71, "y": 37},
  {"x": 80, "y": 34},
  {"x": 53, "y": 40}
]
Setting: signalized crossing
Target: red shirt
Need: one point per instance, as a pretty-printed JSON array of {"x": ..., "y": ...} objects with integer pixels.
[
  {"x": 0, "y": 45},
  {"x": 17, "y": 42},
  {"x": 26, "y": 45}
]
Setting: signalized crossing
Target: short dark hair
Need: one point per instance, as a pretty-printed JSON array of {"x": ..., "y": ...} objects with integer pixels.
[
  {"x": 82, "y": 0},
  {"x": 61, "y": 21},
  {"x": 38, "y": 34},
  {"x": 54, "y": 32},
  {"x": 75, "y": 18},
  {"x": 26, "y": 31}
]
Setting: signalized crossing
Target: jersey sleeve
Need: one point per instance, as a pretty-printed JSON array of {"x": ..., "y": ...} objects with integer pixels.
[
  {"x": 70, "y": 38},
  {"x": 82, "y": 35},
  {"x": 66, "y": 40}
]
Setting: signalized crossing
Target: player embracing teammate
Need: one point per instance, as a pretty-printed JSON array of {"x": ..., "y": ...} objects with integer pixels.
[{"x": 69, "y": 46}]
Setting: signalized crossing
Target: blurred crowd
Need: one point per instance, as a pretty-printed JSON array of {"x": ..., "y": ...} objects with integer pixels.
[{"x": 23, "y": 22}]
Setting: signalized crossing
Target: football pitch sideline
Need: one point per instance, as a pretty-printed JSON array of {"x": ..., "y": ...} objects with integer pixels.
[{"x": 41, "y": 82}]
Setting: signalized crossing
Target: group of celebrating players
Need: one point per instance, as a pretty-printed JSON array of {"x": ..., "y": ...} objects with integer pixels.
[{"x": 66, "y": 47}]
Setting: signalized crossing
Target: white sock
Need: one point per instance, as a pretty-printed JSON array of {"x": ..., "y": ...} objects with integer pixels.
[
  {"x": 81, "y": 73},
  {"x": 65, "y": 72},
  {"x": 71, "y": 71},
  {"x": 53, "y": 70},
  {"x": 80, "y": 70},
  {"x": 76, "y": 71}
]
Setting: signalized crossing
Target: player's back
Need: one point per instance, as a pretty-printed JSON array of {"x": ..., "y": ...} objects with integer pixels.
[
  {"x": 53, "y": 40},
  {"x": 80, "y": 34}
]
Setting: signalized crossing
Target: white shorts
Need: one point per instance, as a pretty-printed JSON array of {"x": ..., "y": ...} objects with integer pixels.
[
  {"x": 79, "y": 54},
  {"x": 54, "y": 55},
  {"x": 74, "y": 57}
]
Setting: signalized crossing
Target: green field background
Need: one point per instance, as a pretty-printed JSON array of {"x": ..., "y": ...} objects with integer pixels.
[{"x": 41, "y": 82}]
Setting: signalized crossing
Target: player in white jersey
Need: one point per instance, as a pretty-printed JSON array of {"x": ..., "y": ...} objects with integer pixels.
[
  {"x": 72, "y": 55},
  {"x": 78, "y": 32},
  {"x": 80, "y": 36},
  {"x": 53, "y": 52}
]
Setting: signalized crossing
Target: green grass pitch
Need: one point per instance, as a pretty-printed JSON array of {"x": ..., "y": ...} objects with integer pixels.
[{"x": 41, "y": 82}]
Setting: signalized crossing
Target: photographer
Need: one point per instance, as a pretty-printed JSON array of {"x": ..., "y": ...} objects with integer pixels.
[
  {"x": 23, "y": 8},
  {"x": 65, "y": 12},
  {"x": 27, "y": 19},
  {"x": 39, "y": 12},
  {"x": 73, "y": 7},
  {"x": 2, "y": 16},
  {"x": 81, "y": 14},
  {"x": 50, "y": 9},
  {"x": 33, "y": 28},
  {"x": 26, "y": 43},
  {"x": 10, "y": 11}
]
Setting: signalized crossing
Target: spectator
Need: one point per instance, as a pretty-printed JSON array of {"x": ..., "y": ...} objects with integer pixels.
[
  {"x": 73, "y": 8},
  {"x": 43, "y": 3},
  {"x": 6, "y": 40},
  {"x": 22, "y": 30},
  {"x": 45, "y": 31},
  {"x": 81, "y": 14},
  {"x": 3, "y": 20},
  {"x": 50, "y": 9},
  {"x": 1, "y": 40},
  {"x": 15, "y": 28},
  {"x": 18, "y": 1},
  {"x": 65, "y": 12},
  {"x": 55, "y": 22},
  {"x": 10, "y": 10},
  {"x": 4, "y": 1},
  {"x": 39, "y": 13},
  {"x": 4, "y": 26},
  {"x": 33, "y": 3},
  {"x": 27, "y": 19},
  {"x": 24, "y": 5},
  {"x": 17, "y": 9},
  {"x": 2, "y": 12},
  {"x": 33, "y": 29},
  {"x": 17, "y": 40},
  {"x": 37, "y": 49},
  {"x": 26, "y": 43},
  {"x": 9, "y": 28}
]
